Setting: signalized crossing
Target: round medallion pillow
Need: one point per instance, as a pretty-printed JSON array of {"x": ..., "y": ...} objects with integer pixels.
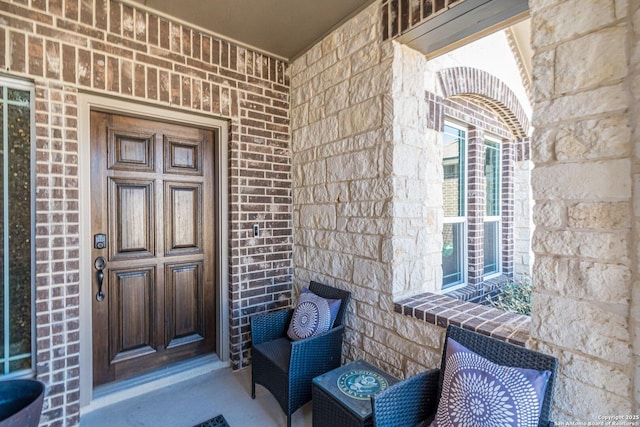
[{"x": 312, "y": 316}]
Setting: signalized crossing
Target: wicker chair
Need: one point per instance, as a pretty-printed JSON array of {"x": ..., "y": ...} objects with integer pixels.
[
  {"x": 415, "y": 400},
  {"x": 287, "y": 367}
]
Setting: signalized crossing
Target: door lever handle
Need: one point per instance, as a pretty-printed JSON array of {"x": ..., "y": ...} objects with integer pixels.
[
  {"x": 100, "y": 294},
  {"x": 100, "y": 263}
]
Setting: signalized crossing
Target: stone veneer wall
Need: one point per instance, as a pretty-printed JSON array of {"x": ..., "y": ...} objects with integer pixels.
[
  {"x": 523, "y": 206},
  {"x": 111, "y": 48},
  {"x": 367, "y": 188},
  {"x": 585, "y": 187},
  {"x": 633, "y": 49},
  {"x": 358, "y": 114},
  {"x": 634, "y": 112}
]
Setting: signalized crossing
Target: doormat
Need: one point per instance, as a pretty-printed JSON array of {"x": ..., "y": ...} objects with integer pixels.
[{"x": 218, "y": 421}]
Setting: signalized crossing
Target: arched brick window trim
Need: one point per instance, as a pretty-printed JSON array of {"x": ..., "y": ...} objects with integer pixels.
[{"x": 488, "y": 90}]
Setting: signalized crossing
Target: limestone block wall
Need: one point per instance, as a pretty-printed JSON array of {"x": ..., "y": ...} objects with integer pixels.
[
  {"x": 585, "y": 152},
  {"x": 523, "y": 208},
  {"x": 633, "y": 44},
  {"x": 367, "y": 186},
  {"x": 358, "y": 201},
  {"x": 583, "y": 185},
  {"x": 523, "y": 222},
  {"x": 418, "y": 177}
]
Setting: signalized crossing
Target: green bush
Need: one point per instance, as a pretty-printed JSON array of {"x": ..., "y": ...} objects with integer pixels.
[{"x": 515, "y": 296}]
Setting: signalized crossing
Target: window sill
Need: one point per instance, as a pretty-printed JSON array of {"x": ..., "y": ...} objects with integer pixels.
[
  {"x": 478, "y": 293},
  {"x": 443, "y": 310}
]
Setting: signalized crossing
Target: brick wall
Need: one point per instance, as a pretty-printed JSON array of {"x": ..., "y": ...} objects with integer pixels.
[
  {"x": 482, "y": 121},
  {"x": 111, "y": 48},
  {"x": 57, "y": 252},
  {"x": 399, "y": 16},
  {"x": 489, "y": 107},
  {"x": 508, "y": 196},
  {"x": 475, "y": 205},
  {"x": 490, "y": 91}
]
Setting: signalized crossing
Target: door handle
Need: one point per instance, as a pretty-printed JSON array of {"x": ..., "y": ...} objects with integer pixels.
[{"x": 100, "y": 263}]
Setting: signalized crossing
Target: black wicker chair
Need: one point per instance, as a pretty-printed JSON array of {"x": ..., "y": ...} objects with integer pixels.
[
  {"x": 287, "y": 367},
  {"x": 415, "y": 400}
]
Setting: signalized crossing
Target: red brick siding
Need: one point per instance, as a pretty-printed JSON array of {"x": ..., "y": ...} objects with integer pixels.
[
  {"x": 399, "y": 16},
  {"x": 113, "y": 48},
  {"x": 480, "y": 100},
  {"x": 57, "y": 252},
  {"x": 508, "y": 207},
  {"x": 475, "y": 204},
  {"x": 482, "y": 121},
  {"x": 488, "y": 90}
]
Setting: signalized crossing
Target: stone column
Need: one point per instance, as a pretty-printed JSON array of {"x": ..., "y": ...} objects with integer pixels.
[
  {"x": 634, "y": 111},
  {"x": 416, "y": 172},
  {"x": 523, "y": 204},
  {"x": 582, "y": 186}
]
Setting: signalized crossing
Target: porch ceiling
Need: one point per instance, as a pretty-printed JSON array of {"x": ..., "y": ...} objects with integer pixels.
[{"x": 285, "y": 28}]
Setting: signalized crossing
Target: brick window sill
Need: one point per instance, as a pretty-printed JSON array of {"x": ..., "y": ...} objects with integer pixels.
[{"x": 443, "y": 310}]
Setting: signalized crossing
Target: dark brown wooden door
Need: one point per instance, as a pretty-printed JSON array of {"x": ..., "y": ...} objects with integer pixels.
[{"x": 153, "y": 196}]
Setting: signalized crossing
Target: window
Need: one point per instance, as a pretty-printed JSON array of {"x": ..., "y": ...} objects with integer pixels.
[
  {"x": 492, "y": 187},
  {"x": 454, "y": 234},
  {"x": 16, "y": 228},
  {"x": 472, "y": 197}
]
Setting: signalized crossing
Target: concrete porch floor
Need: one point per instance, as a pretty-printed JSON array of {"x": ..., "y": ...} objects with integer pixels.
[{"x": 192, "y": 401}]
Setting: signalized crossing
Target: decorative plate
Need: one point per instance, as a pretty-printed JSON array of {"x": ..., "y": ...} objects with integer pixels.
[{"x": 361, "y": 384}]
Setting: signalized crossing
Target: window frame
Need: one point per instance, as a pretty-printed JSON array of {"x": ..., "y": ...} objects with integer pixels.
[
  {"x": 498, "y": 145},
  {"x": 14, "y": 83},
  {"x": 464, "y": 219}
]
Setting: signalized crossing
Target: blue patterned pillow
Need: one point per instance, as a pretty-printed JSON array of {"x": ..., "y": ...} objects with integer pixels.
[
  {"x": 313, "y": 315},
  {"x": 478, "y": 392}
]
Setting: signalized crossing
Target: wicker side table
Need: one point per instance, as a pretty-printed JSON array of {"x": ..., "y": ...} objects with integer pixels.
[{"x": 342, "y": 397}]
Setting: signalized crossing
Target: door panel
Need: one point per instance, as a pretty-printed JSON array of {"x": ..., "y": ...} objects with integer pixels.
[
  {"x": 150, "y": 197},
  {"x": 183, "y": 156},
  {"x": 132, "y": 331},
  {"x": 184, "y": 310},
  {"x": 132, "y": 224},
  {"x": 183, "y": 218},
  {"x": 130, "y": 150}
]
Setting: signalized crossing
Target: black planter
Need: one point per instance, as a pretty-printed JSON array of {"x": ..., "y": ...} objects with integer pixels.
[{"x": 20, "y": 403}]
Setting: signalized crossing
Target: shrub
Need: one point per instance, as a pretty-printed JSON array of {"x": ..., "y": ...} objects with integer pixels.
[{"x": 515, "y": 296}]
